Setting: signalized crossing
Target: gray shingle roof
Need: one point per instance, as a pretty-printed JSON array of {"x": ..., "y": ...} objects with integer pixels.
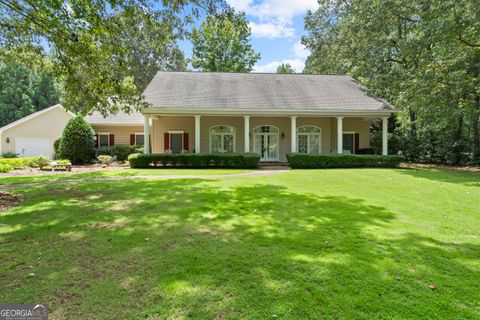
[
  {"x": 120, "y": 118},
  {"x": 259, "y": 91}
]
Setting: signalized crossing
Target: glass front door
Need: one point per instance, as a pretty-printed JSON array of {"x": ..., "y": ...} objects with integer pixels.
[{"x": 266, "y": 145}]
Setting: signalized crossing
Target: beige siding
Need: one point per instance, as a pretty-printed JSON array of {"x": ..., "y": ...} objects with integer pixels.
[
  {"x": 46, "y": 125},
  {"x": 172, "y": 123},
  {"x": 357, "y": 125},
  {"x": 207, "y": 122},
  {"x": 283, "y": 125},
  {"x": 187, "y": 124},
  {"x": 121, "y": 133},
  {"x": 325, "y": 130}
]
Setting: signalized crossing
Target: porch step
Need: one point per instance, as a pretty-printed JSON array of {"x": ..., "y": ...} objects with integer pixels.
[{"x": 273, "y": 166}]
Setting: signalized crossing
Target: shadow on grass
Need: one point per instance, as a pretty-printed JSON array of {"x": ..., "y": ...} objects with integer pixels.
[{"x": 191, "y": 249}]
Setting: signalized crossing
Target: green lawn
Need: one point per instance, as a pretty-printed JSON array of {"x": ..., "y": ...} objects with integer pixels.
[
  {"x": 326, "y": 244},
  {"x": 120, "y": 172}
]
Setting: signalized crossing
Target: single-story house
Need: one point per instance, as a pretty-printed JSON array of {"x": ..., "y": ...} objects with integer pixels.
[
  {"x": 35, "y": 134},
  {"x": 269, "y": 114}
]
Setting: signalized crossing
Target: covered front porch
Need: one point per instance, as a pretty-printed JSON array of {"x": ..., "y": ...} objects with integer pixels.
[{"x": 271, "y": 136}]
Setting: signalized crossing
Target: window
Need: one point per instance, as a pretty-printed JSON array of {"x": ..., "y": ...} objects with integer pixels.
[
  {"x": 349, "y": 142},
  {"x": 139, "y": 139},
  {"x": 308, "y": 139},
  {"x": 176, "y": 142},
  {"x": 222, "y": 139},
  {"x": 103, "y": 139}
]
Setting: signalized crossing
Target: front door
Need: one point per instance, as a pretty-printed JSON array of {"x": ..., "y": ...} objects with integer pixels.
[{"x": 266, "y": 145}]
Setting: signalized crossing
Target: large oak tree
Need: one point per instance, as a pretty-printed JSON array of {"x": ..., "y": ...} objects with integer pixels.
[{"x": 87, "y": 43}]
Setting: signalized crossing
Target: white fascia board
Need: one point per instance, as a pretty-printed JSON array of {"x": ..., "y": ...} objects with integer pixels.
[{"x": 259, "y": 112}]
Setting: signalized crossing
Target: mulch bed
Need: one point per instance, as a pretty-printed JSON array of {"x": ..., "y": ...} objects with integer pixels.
[{"x": 9, "y": 200}]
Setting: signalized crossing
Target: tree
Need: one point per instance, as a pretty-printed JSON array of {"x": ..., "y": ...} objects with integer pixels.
[
  {"x": 24, "y": 91},
  {"x": 285, "y": 68},
  {"x": 84, "y": 44},
  {"x": 150, "y": 50},
  {"x": 421, "y": 56},
  {"x": 77, "y": 143},
  {"x": 222, "y": 44}
]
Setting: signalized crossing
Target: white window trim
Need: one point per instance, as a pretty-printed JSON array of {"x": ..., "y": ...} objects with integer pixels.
[
  {"x": 170, "y": 132},
  {"x": 262, "y": 133},
  {"x": 103, "y": 134},
  {"x": 352, "y": 133},
  {"x": 308, "y": 134},
  {"x": 139, "y": 134},
  {"x": 222, "y": 134}
]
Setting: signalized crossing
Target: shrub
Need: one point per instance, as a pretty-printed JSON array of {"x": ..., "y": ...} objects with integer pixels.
[
  {"x": 77, "y": 142},
  {"x": 193, "y": 160},
  {"x": 119, "y": 151},
  {"x": 21, "y": 163},
  {"x": 105, "y": 160},
  {"x": 56, "y": 146},
  {"x": 9, "y": 155},
  {"x": 5, "y": 167},
  {"x": 317, "y": 161}
]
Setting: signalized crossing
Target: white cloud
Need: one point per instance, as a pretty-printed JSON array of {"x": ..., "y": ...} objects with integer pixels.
[
  {"x": 300, "y": 51},
  {"x": 275, "y": 16},
  {"x": 271, "y": 30},
  {"x": 297, "y": 65}
]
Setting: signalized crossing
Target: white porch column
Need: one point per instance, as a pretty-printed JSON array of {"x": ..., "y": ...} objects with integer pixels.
[
  {"x": 246, "y": 133},
  {"x": 339, "y": 135},
  {"x": 197, "y": 133},
  {"x": 146, "y": 135},
  {"x": 385, "y": 136},
  {"x": 293, "y": 131}
]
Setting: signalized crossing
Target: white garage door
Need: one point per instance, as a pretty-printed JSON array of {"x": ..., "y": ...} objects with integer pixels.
[{"x": 32, "y": 147}]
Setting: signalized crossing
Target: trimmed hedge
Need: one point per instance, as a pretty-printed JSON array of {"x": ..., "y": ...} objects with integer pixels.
[
  {"x": 318, "y": 161},
  {"x": 194, "y": 160},
  {"x": 119, "y": 151}
]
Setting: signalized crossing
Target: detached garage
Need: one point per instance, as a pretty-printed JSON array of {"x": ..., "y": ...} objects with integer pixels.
[{"x": 35, "y": 134}]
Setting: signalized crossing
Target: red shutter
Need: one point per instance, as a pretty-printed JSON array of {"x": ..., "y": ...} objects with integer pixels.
[
  {"x": 112, "y": 139},
  {"x": 96, "y": 140},
  {"x": 166, "y": 141},
  {"x": 132, "y": 139},
  {"x": 357, "y": 143},
  {"x": 185, "y": 141}
]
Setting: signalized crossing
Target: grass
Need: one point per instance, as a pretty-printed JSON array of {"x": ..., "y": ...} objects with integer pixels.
[
  {"x": 318, "y": 244},
  {"x": 120, "y": 172}
]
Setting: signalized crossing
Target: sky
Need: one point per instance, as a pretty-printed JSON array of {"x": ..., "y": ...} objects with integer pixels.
[{"x": 277, "y": 27}]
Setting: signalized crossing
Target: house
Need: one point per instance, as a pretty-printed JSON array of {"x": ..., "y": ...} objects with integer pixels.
[
  {"x": 117, "y": 129},
  {"x": 269, "y": 114},
  {"x": 35, "y": 134}
]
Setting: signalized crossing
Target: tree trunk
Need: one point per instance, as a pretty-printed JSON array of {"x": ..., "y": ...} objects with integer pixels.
[{"x": 476, "y": 131}]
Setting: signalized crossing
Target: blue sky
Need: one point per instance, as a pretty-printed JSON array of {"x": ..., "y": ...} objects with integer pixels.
[{"x": 277, "y": 26}]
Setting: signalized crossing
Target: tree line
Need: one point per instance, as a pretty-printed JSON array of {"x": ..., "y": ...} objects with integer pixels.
[{"x": 421, "y": 56}]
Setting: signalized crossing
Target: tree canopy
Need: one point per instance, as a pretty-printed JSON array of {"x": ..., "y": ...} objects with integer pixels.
[
  {"x": 422, "y": 56},
  {"x": 222, "y": 43},
  {"x": 88, "y": 50},
  {"x": 285, "y": 68},
  {"x": 24, "y": 90}
]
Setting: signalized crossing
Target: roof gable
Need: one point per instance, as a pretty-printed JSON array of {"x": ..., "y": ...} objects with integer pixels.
[{"x": 34, "y": 115}]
